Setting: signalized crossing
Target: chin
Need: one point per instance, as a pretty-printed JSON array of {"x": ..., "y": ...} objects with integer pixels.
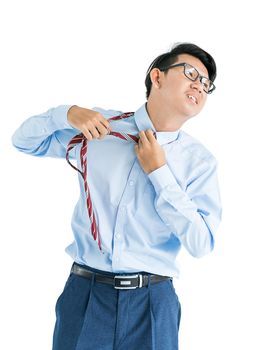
[
  {"x": 190, "y": 116},
  {"x": 187, "y": 114}
]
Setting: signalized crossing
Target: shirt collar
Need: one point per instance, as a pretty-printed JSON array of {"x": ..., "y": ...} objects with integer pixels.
[{"x": 144, "y": 122}]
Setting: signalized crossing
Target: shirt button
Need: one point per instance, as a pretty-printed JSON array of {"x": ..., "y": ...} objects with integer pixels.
[
  {"x": 118, "y": 236},
  {"x": 117, "y": 259},
  {"x": 123, "y": 208},
  {"x": 131, "y": 182}
]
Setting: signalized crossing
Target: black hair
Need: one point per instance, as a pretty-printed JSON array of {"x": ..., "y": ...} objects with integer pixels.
[{"x": 170, "y": 57}]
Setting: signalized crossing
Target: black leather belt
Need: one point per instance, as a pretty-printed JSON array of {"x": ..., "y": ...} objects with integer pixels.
[{"x": 119, "y": 281}]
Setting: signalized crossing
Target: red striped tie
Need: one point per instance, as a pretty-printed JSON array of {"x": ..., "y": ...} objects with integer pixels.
[{"x": 80, "y": 138}]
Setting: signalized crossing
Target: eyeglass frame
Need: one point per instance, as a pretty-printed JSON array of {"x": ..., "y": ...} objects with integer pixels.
[{"x": 198, "y": 76}]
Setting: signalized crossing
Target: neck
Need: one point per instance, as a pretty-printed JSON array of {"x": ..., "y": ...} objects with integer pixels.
[{"x": 162, "y": 118}]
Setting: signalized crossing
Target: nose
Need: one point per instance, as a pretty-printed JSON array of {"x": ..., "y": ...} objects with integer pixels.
[{"x": 197, "y": 86}]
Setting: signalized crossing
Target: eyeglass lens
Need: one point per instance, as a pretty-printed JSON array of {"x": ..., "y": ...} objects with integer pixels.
[{"x": 193, "y": 74}]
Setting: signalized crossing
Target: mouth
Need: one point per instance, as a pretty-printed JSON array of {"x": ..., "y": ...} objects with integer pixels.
[{"x": 193, "y": 99}]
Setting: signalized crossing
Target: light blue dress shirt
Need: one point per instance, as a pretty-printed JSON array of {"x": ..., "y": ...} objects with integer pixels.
[{"x": 144, "y": 219}]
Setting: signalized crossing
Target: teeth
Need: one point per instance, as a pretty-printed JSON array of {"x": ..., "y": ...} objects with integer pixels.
[{"x": 193, "y": 98}]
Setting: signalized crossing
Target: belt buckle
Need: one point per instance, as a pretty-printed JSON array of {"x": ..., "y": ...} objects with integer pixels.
[{"x": 124, "y": 282}]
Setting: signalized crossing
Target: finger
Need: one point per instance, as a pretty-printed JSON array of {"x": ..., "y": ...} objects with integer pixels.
[
  {"x": 106, "y": 124},
  {"x": 90, "y": 131},
  {"x": 142, "y": 137},
  {"x": 93, "y": 129},
  {"x": 87, "y": 134},
  {"x": 103, "y": 131},
  {"x": 150, "y": 135},
  {"x": 103, "y": 120},
  {"x": 96, "y": 124}
]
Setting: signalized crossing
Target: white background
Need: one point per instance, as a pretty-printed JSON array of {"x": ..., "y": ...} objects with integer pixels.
[{"x": 96, "y": 53}]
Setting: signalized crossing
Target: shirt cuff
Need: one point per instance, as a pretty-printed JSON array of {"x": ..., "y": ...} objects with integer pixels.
[
  {"x": 59, "y": 117},
  {"x": 161, "y": 178}
]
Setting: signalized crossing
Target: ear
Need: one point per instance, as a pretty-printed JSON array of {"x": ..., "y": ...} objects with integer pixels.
[{"x": 155, "y": 76}]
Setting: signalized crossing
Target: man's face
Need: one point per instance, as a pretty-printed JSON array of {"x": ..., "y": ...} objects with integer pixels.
[{"x": 181, "y": 95}]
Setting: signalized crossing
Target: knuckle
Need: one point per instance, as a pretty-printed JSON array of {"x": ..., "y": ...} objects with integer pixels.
[
  {"x": 98, "y": 116},
  {"x": 86, "y": 124}
]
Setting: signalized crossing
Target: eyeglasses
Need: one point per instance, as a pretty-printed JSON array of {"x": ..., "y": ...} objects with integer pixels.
[{"x": 192, "y": 73}]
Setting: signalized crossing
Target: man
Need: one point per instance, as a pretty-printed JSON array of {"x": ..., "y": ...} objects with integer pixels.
[{"x": 147, "y": 189}]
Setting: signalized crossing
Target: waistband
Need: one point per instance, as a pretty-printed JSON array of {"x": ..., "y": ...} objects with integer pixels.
[{"x": 119, "y": 281}]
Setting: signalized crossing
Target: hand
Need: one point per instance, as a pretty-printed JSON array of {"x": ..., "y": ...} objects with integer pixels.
[
  {"x": 150, "y": 154},
  {"x": 92, "y": 124}
]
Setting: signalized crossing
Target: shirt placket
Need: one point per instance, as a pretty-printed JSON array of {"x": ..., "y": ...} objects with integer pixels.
[{"x": 122, "y": 217}]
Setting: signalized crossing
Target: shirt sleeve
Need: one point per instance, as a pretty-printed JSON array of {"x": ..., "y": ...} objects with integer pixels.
[
  {"x": 194, "y": 214},
  {"x": 46, "y": 134}
]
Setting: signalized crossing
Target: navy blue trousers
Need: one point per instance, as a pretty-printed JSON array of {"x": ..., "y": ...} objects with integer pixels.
[{"x": 93, "y": 315}]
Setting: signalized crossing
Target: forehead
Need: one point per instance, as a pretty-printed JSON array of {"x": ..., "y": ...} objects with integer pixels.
[{"x": 194, "y": 61}]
